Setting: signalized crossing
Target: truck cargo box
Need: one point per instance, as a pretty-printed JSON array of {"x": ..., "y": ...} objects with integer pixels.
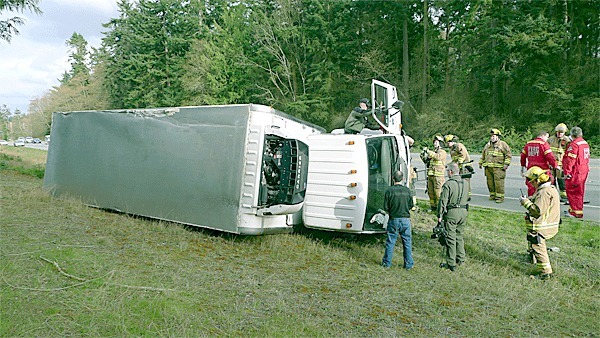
[{"x": 235, "y": 168}]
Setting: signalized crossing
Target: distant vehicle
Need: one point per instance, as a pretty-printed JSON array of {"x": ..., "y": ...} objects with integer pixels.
[
  {"x": 37, "y": 140},
  {"x": 29, "y": 139},
  {"x": 3, "y": 142},
  {"x": 47, "y": 139},
  {"x": 21, "y": 139},
  {"x": 19, "y": 143}
]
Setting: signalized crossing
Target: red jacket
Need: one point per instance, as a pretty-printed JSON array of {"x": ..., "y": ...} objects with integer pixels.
[
  {"x": 576, "y": 161},
  {"x": 537, "y": 152}
]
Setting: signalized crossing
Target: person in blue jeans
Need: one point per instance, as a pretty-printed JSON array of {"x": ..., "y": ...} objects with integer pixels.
[{"x": 397, "y": 204}]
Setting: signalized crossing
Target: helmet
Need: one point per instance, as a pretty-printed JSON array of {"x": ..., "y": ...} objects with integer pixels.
[
  {"x": 536, "y": 173},
  {"x": 450, "y": 138},
  {"x": 364, "y": 100},
  {"x": 561, "y": 127},
  {"x": 495, "y": 131},
  {"x": 438, "y": 137}
]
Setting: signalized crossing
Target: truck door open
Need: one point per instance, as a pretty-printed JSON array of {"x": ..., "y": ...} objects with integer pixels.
[{"x": 384, "y": 160}]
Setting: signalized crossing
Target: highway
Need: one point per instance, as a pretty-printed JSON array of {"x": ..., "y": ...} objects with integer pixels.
[{"x": 514, "y": 182}]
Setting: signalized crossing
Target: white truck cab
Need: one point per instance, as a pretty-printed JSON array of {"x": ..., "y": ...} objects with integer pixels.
[{"x": 348, "y": 174}]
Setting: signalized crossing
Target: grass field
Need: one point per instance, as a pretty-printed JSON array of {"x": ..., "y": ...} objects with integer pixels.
[{"x": 70, "y": 270}]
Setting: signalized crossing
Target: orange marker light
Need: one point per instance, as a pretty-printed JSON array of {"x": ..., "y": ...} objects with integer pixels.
[
  {"x": 350, "y": 143},
  {"x": 352, "y": 197},
  {"x": 353, "y": 184},
  {"x": 353, "y": 171},
  {"x": 348, "y": 225}
]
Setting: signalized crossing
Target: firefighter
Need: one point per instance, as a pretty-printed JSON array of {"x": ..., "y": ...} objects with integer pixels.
[
  {"x": 359, "y": 119},
  {"x": 537, "y": 153},
  {"x": 558, "y": 143},
  {"x": 460, "y": 156},
  {"x": 435, "y": 160},
  {"x": 495, "y": 158},
  {"x": 542, "y": 217},
  {"x": 576, "y": 166}
]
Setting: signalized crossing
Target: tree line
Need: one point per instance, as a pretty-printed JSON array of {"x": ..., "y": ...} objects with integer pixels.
[{"x": 461, "y": 66}]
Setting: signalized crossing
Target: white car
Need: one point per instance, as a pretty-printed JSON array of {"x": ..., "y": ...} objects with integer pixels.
[
  {"x": 19, "y": 143},
  {"x": 3, "y": 142},
  {"x": 29, "y": 139}
]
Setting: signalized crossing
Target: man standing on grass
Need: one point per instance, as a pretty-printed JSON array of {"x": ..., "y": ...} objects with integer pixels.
[
  {"x": 452, "y": 211},
  {"x": 397, "y": 203},
  {"x": 542, "y": 217}
]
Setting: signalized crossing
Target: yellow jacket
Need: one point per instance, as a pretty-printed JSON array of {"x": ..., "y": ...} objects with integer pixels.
[
  {"x": 543, "y": 210},
  {"x": 495, "y": 155},
  {"x": 459, "y": 153},
  {"x": 558, "y": 145},
  {"x": 437, "y": 164}
]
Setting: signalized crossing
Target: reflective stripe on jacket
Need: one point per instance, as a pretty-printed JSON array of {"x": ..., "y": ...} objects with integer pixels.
[
  {"x": 459, "y": 153},
  {"x": 558, "y": 145},
  {"x": 537, "y": 152},
  {"x": 437, "y": 164},
  {"x": 543, "y": 209},
  {"x": 495, "y": 155}
]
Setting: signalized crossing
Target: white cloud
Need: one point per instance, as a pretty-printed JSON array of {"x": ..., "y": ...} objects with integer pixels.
[{"x": 35, "y": 59}]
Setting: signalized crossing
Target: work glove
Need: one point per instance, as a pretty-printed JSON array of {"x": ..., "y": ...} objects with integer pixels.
[{"x": 378, "y": 218}]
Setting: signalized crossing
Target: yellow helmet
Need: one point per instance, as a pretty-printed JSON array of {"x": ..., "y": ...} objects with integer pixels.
[
  {"x": 495, "y": 131},
  {"x": 536, "y": 173},
  {"x": 450, "y": 138},
  {"x": 561, "y": 127}
]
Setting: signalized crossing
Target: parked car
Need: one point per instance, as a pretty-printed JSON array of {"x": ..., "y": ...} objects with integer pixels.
[
  {"x": 37, "y": 140},
  {"x": 19, "y": 143},
  {"x": 29, "y": 139},
  {"x": 3, "y": 142}
]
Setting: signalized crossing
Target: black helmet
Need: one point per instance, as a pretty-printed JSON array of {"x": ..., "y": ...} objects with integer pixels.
[{"x": 364, "y": 100}]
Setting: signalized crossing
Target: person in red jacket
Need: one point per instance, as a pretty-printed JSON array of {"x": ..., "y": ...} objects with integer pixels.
[
  {"x": 576, "y": 166},
  {"x": 537, "y": 153}
]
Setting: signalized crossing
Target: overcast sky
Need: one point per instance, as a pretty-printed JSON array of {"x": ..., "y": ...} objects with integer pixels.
[{"x": 36, "y": 58}]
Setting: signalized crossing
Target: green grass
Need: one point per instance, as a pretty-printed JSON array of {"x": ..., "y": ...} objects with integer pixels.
[{"x": 70, "y": 270}]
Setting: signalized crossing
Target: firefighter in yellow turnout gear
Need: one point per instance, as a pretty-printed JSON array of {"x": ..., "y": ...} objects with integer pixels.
[
  {"x": 542, "y": 217},
  {"x": 435, "y": 160},
  {"x": 460, "y": 156},
  {"x": 495, "y": 158},
  {"x": 558, "y": 144}
]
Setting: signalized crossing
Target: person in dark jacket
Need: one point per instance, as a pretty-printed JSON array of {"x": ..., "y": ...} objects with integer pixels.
[
  {"x": 397, "y": 204},
  {"x": 359, "y": 119}
]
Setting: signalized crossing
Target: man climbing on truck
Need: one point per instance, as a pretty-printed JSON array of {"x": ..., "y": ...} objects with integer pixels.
[{"x": 359, "y": 119}]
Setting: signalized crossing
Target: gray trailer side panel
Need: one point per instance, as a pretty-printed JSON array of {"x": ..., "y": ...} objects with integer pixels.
[{"x": 185, "y": 167}]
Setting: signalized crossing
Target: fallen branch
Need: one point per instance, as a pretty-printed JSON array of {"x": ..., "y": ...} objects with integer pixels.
[
  {"x": 61, "y": 270},
  {"x": 147, "y": 288}
]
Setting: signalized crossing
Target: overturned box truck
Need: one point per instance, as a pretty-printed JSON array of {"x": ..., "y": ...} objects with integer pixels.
[{"x": 245, "y": 169}]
